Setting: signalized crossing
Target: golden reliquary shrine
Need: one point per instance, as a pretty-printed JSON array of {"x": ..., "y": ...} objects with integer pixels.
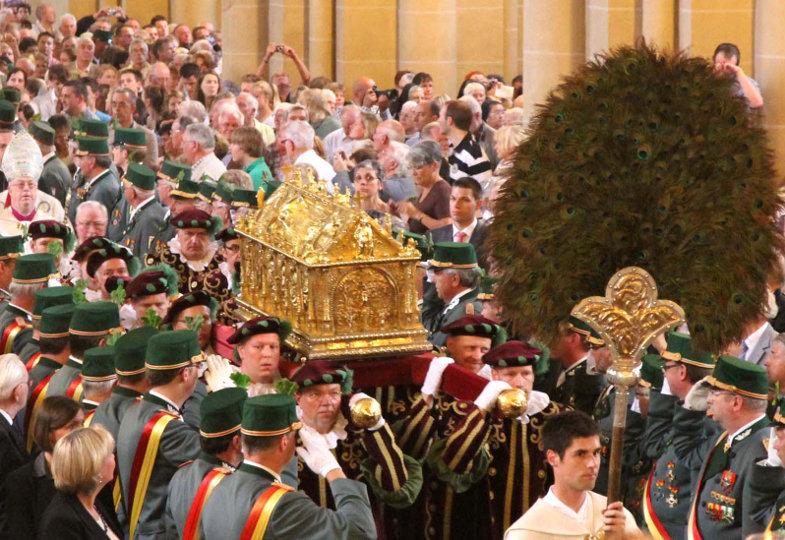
[{"x": 318, "y": 260}]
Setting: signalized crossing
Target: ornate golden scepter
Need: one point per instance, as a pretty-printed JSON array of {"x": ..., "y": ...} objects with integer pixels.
[{"x": 628, "y": 318}]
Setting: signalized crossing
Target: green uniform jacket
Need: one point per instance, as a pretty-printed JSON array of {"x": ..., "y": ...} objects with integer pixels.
[
  {"x": 164, "y": 233},
  {"x": 55, "y": 179},
  {"x": 449, "y": 314},
  {"x": 179, "y": 443},
  {"x": 13, "y": 314},
  {"x": 295, "y": 515},
  {"x": 182, "y": 490},
  {"x": 724, "y": 497},
  {"x": 60, "y": 381},
  {"x": 118, "y": 220},
  {"x": 29, "y": 349},
  {"x": 580, "y": 390},
  {"x": 111, "y": 412},
  {"x": 104, "y": 189},
  {"x": 44, "y": 368},
  {"x": 138, "y": 236},
  {"x": 190, "y": 412}
]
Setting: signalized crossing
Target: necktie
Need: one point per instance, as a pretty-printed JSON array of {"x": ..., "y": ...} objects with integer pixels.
[
  {"x": 744, "y": 350},
  {"x": 460, "y": 236}
]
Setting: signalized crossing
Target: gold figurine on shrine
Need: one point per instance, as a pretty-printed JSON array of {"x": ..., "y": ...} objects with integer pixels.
[{"x": 317, "y": 259}]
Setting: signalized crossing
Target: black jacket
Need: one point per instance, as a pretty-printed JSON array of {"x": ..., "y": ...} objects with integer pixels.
[
  {"x": 67, "y": 519},
  {"x": 27, "y": 491}
]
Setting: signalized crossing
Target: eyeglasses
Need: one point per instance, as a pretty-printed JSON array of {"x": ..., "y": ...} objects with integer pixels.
[
  {"x": 666, "y": 367},
  {"x": 91, "y": 223}
]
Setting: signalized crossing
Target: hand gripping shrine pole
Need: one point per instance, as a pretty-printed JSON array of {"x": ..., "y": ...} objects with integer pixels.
[{"x": 627, "y": 318}]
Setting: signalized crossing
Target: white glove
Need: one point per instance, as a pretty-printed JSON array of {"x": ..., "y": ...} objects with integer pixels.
[
  {"x": 487, "y": 398},
  {"x": 773, "y": 459},
  {"x": 357, "y": 397},
  {"x": 218, "y": 374},
  {"x": 315, "y": 453},
  {"x": 697, "y": 397},
  {"x": 433, "y": 380},
  {"x": 536, "y": 402}
]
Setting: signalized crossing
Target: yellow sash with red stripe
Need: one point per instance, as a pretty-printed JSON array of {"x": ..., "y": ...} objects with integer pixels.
[
  {"x": 36, "y": 398},
  {"x": 74, "y": 390},
  {"x": 9, "y": 335},
  {"x": 88, "y": 418},
  {"x": 142, "y": 467},
  {"x": 693, "y": 532},
  {"x": 656, "y": 529},
  {"x": 262, "y": 509},
  {"x": 33, "y": 361},
  {"x": 206, "y": 487}
]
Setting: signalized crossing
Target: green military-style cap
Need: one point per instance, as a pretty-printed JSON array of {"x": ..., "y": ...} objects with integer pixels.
[
  {"x": 95, "y": 319},
  {"x": 112, "y": 251},
  {"x": 173, "y": 349},
  {"x": 11, "y": 95},
  {"x": 174, "y": 172},
  {"x": 679, "y": 349},
  {"x": 270, "y": 415},
  {"x": 223, "y": 192},
  {"x": 11, "y": 247},
  {"x": 244, "y": 198},
  {"x": 140, "y": 176},
  {"x": 453, "y": 255},
  {"x": 98, "y": 364},
  {"x": 42, "y": 132},
  {"x": 206, "y": 190},
  {"x": 740, "y": 377},
  {"x": 222, "y": 412},
  {"x": 130, "y": 138},
  {"x": 56, "y": 320},
  {"x": 131, "y": 349},
  {"x": 51, "y": 296},
  {"x": 35, "y": 268},
  {"x": 7, "y": 115},
  {"x": 472, "y": 325},
  {"x": 487, "y": 288},
  {"x": 512, "y": 353},
  {"x": 590, "y": 334},
  {"x": 186, "y": 189},
  {"x": 90, "y": 127},
  {"x": 92, "y": 146},
  {"x": 261, "y": 325},
  {"x": 418, "y": 241},
  {"x": 651, "y": 372}
]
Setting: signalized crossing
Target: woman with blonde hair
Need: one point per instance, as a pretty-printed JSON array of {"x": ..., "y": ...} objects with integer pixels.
[
  {"x": 319, "y": 114},
  {"x": 82, "y": 464},
  {"x": 506, "y": 140},
  {"x": 364, "y": 127}
]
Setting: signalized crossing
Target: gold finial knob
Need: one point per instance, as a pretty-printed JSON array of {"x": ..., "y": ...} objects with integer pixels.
[
  {"x": 366, "y": 412},
  {"x": 512, "y": 402}
]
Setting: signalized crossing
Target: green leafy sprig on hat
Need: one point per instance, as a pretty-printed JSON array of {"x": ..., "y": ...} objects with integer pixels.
[
  {"x": 151, "y": 318},
  {"x": 286, "y": 387},
  {"x": 79, "y": 294},
  {"x": 241, "y": 380},
  {"x": 195, "y": 323},
  {"x": 118, "y": 295},
  {"x": 348, "y": 380},
  {"x": 54, "y": 248}
]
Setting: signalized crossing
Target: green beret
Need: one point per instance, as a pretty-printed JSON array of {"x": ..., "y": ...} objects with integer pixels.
[
  {"x": 51, "y": 296},
  {"x": 743, "y": 378},
  {"x": 7, "y": 115},
  {"x": 512, "y": 353},
  {"x": 472, "y": 325},
  {"x": 222, "y": 412},
  {"x": 206, "y": 190},
  {"x": 92, "y": 146},
  {"x": 174, "y": 172},
  {"x": 131, "y": 349},
  {"x": 173, "y": 349},
  {"x": 89, "y": 127},
  {"x": 244, "y": 198},
  {"x": 453, "y": 255},
  {"x": 56, "y": 320},
  {"x": 95, "y": 319},
  {"x": 140, "y": 176},
  {"x": 98, "y": 364},
  {"x": 42, "y": 132},
  {"x": 680, "y": 350},
  {"x": 11, "y": 95},
  {"x": 100, "y": 256},
  {"x": 270, "y": 415},
  {"x": 651, "y": 371},
  {"x": 11, "y": 247},
  {"x": 186, "y": 189},
  {"x": 261, "y": 325},
  {"x": 130, "y": 138},
  {"x": 590, "y": 335},
  {"x": 36, "y": 268}
]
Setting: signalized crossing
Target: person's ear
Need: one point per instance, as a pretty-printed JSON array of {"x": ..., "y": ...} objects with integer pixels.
[{"x": 552, "y": 458}]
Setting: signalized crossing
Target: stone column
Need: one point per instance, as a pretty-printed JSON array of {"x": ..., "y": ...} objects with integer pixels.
[
  {"x": 245, "y": 36},
  {"x": 479, "y": 37},
  {"x": 427, "y": 41},
  {"x": 144, "y": 11},
  {"x": 704, "y": 24},
  {"x": 512, "y": 49},
  {"x": 320, "y": 38},
  {"x": 287, "y": 25},
  {"x": 365, "y": 42},
  {"x": 554, "y": 42},
  {"x": 659, "y": 23},
  {"x": 193, "y": 12},
  {"x": 770, "y": 69},
  {"x": 611, "y": 23},
  {"x": 79, "y": 8}
]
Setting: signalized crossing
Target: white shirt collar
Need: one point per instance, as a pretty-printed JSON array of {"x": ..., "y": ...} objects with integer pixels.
[
  {"x": 47, "y": 156},
  {"x": 195, "y": 265},
  {"x": 456, "y": 299},
  {"x": 166, "y": 399},
  {"x": 21, "y": 309},
  {"x": 563, "y": 374},
  {"x": 743, "y": 428},
  {"x": 752, "y": 340},
  {"x": 96, "y": 177},
  {"x": 467, "y": 230},
  {"x": 266, "y": 469},
  {"x": 75, "y": 359},
  {"x": 580, "y": 515},
  {"x": 142, "y": 204},
  {"x": 7, "y": 417}
]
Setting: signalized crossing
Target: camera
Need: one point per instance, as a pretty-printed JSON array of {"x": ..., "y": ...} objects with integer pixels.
[
  {"x": 112, "y": 11},
  {"x": 391, "y": 94}
]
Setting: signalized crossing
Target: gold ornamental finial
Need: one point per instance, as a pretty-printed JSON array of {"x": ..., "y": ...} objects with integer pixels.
[{"x": 366, "y": 412}]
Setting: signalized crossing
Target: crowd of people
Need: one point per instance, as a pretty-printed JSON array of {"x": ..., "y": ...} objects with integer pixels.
[{"x": 135, "y": 404}]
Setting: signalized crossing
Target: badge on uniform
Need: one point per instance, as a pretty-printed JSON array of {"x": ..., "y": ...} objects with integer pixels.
[
  {"x": 720, "y": 512},
  {"x": 672, "y": 501},
  {"x": 727, "y": 481},
  {"x": 670, "y": 474}
]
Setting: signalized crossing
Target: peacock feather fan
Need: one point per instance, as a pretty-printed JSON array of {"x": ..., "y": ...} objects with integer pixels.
[{"x": 649, "y": 159}]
